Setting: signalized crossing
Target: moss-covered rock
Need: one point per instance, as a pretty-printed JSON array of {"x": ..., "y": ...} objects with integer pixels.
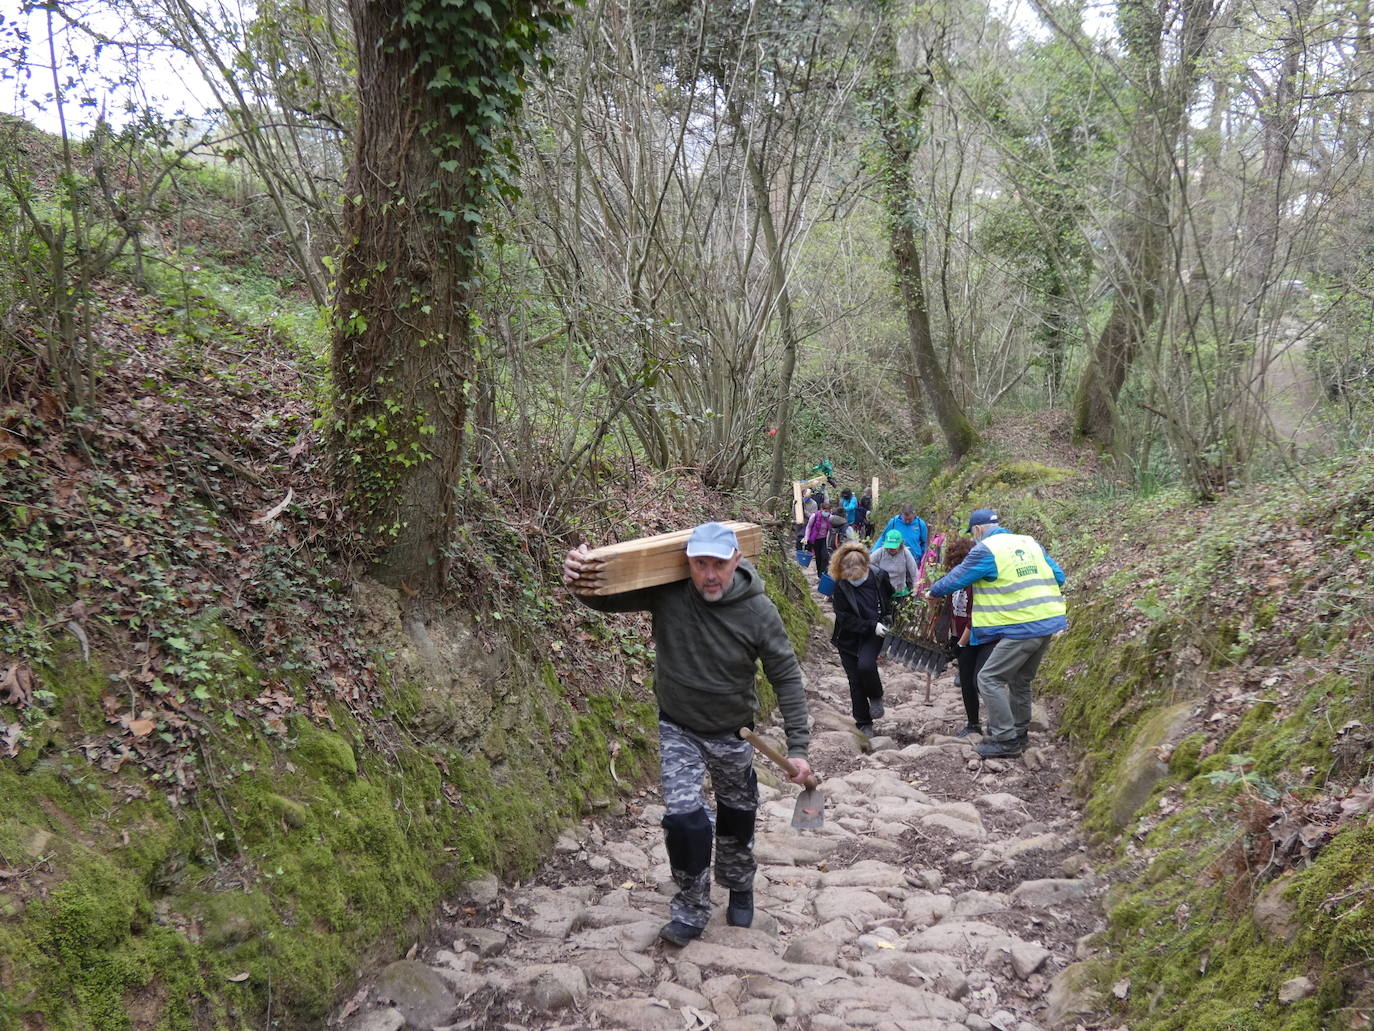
[{"x": 1141, "y": 769}]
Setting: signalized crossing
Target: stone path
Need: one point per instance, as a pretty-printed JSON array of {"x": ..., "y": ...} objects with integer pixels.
[{"x": 944, "y": 893}]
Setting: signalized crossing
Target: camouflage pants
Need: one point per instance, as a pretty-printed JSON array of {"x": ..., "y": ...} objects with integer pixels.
[{"x": 685, "y": 757}]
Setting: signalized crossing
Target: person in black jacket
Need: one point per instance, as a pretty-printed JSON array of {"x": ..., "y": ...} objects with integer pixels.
[{"x": 863, "y": 611}]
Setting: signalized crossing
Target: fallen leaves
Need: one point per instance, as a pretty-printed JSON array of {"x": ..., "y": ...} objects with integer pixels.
[{"x": 16, "y": 685}]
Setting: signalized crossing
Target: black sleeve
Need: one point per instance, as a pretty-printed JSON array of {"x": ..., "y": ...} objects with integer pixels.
[{"x": 885, "y": 593}]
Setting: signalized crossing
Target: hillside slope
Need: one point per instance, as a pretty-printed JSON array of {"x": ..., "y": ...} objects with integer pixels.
[
  {"x": 230, "y": 764},
  {"x": 1218, "y": 676}
]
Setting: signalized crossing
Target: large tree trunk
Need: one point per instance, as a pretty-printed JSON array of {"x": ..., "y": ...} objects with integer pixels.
[
  {"x": 900, "y": 119},
  {"x": 402, "y": 346},
  {"x": 1163, "y": 96}
]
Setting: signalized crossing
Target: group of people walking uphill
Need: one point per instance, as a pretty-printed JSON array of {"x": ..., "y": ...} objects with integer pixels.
[
  {"x": 1006, "y": 605},
  {"x": 713, "y": 630}
]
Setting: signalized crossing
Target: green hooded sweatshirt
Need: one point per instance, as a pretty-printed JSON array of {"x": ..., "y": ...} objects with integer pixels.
[{"x": 707, "y": 655}]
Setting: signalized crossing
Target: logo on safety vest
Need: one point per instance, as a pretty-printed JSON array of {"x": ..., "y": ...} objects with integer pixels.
[{"x": 1025, "y": 569}]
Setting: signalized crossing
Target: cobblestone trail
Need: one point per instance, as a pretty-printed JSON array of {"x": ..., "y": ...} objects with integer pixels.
[{"x": 944, "y": 893}]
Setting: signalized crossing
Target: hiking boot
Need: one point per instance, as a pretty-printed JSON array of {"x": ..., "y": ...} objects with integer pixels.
[
  {"x": 970, "y": 728},
  {"x": 1023, "y": 739},
  {"x": 875, "y": 708},
  {"x": 866, "y": 729},
  {"x": 675, "y": 932},
  {"x": 740, "y": 911},
  {"x": 999, "y": 749}
]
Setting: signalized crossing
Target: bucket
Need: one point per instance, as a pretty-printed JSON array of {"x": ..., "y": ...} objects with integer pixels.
[
  {"x": 825, "y": 584},
  {"x": 803, "y": 558}
]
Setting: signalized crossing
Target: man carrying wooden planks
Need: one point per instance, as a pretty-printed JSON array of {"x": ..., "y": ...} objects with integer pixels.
[{"x": 710, "y": 632}]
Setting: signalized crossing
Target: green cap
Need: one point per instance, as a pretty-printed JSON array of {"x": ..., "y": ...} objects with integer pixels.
[{"x": 893, "y": 539}]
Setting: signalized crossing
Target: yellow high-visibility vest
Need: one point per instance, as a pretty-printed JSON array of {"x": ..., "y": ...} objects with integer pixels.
[{"x": 1025, "y": 589}]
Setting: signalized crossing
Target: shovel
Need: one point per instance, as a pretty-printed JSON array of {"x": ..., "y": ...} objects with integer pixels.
[{"x": 810, "y": 811}]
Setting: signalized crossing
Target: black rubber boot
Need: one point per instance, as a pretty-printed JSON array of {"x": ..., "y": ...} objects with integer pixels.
[
  {"x": 740, "y": 912},
  {"x": 675, "y": 932}
]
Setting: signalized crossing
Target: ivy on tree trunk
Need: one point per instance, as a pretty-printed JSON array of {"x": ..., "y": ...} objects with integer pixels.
[{"x": 437, "y": 87}]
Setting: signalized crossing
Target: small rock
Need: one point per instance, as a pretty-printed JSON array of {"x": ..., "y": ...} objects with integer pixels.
[
  {"x": 687, "y": 974},
  {"x": 566, "y": 844},
  {"x": 486, "y": 941},
  {"x": 680, "y": 996},
  {"x": 783, "y": 1007},
  {"x": 626, "y": 855},
  {"x": 1026, "y": 959},
  {"x": 484, "y": 890},
  {"x": 1050, "y": 891},
  {"x": 724, "y": 1006},
  {"x": 608, "y": 965},
  {"x": 384, "y": 1019},
  {"x": 954, "y": 826},
  {"x": 1296, "y": 989},
  {"x": 421, "y": 995},
  {"x": 1275, "y": 914},
  {"x": 598, "y": 864},
  {"x": 552, "y": 987},
  {"x": 1075, "y": 865},
  {"x": 930, "y": 879},
  {"x": 638, "y": 1014},
  {"x": 1072, "y": 994}
]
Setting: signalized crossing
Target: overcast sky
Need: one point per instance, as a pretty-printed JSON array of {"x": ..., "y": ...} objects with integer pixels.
[{"x": 164, "y": 80}]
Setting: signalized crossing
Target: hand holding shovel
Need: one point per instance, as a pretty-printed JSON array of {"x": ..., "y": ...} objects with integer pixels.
[{"x": 810, "y": 811}]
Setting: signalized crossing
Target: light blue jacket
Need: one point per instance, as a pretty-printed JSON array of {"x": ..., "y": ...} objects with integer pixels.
[
  {"x": 981, "y": 565},
  {"x": 914, "y": 535}
]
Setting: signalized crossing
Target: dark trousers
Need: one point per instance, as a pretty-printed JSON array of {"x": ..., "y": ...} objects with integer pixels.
[
  {"x": 861, "y": 667},
  {"x": 970, "y": 658},
  {"x": 821, "y": 549}
]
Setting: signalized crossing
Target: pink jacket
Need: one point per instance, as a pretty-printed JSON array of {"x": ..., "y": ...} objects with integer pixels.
[{"x": 818, "y": 527}]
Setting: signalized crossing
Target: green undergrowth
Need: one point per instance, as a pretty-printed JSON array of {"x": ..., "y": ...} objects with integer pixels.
[
  {"x": 1217, "y": 678},
  {"x": 1017, "y": 489},
  {"x": 301, "y": 852}
]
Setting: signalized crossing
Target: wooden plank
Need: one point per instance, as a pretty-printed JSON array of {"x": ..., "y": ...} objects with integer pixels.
[
  {"x": 650, "y": 561},
  {"x": 750, "y": 544},
  {"x": 796, "y": 502},
  {"x": 749, "y": 535},
  {"x": 873, "y": 491}
]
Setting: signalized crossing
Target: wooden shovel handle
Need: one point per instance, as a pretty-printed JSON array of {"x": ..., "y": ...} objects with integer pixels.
[{"x": 763, "y": 746}]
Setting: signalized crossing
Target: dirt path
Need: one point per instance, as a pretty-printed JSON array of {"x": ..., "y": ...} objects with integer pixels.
[{"x": 944, "y": 893}]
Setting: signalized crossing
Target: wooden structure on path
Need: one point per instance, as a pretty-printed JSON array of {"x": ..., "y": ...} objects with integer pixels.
[{"x": 650, "y": 561}]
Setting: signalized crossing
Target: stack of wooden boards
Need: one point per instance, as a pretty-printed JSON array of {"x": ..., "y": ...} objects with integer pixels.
[{"x": 650, "y": 561}]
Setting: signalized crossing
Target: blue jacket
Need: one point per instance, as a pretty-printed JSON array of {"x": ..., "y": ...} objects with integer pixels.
[
  {"x": 914, "y": 535},
  {"x": 980, "y": 565},
  {"x": 850, "y": 507}
]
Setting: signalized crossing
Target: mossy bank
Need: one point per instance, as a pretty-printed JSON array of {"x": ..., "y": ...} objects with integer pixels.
[
  {"x": 1217, "y": 676},
  {"x": 309, "y": 842}
]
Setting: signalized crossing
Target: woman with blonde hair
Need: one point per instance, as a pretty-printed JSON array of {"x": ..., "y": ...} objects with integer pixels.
[{"x": 863, "y": 611}]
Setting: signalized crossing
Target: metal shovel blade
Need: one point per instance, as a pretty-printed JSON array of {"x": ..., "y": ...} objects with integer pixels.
[{"x": 810, "y": 811}]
